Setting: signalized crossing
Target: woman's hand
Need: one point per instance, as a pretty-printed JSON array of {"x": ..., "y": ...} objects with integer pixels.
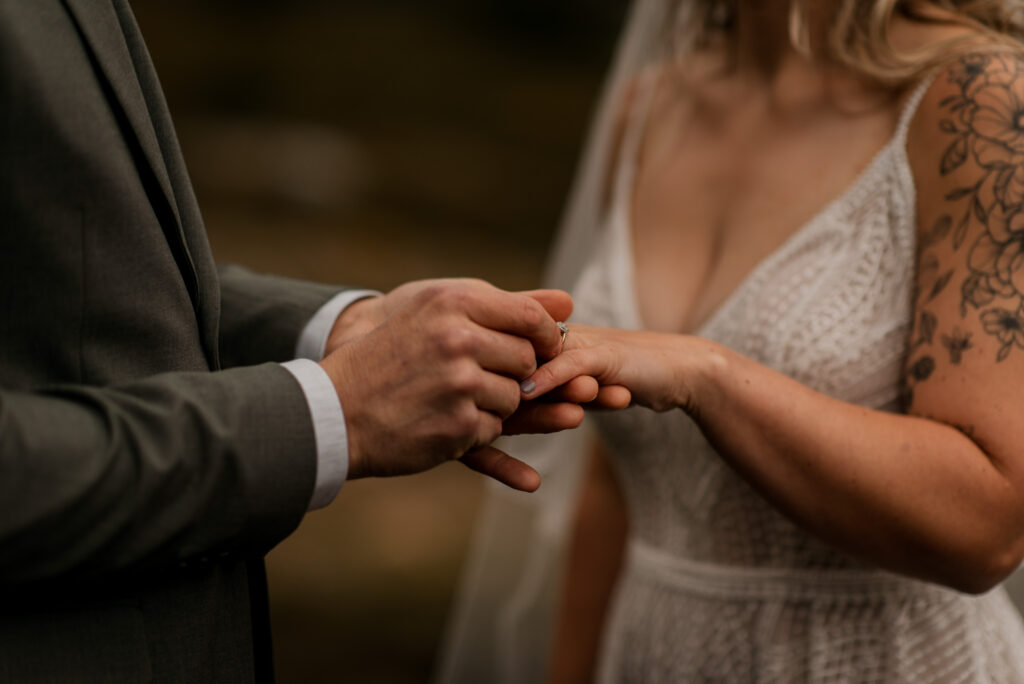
[
  {"x": 876, "y": 484},
  {"x": 661, "y": 371}
]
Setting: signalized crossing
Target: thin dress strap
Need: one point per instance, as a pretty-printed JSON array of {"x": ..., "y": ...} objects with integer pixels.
[{"x": 910, "y": 108}]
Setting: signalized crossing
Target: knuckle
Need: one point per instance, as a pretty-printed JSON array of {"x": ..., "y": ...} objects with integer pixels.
[
  {"x": 451, "y": 295},
  {"x": 461, "y": 291},
  {"x": 570, "y": 367},
  {"x": 455, "y": 341},
  {"x": 463, "y": 379},
  {"x": 575, "y": 362},
  {"x": 490, "y": 428},
  {"x": 510, "y": 398},
  {"x": 477, "y": 283},
  {"x": 429, "y": 293},
  {"x": 532, "y": 314},
  {"x": 610, "y": 361},
  {"x": 442, "y": 295},
  {"x": 526, "y": 360},
  {"x": 544, "y": 372},
  {"x": 465, "y": 419}
]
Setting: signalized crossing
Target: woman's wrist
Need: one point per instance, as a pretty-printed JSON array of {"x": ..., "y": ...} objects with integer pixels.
[{"x": 701, "y": 367}]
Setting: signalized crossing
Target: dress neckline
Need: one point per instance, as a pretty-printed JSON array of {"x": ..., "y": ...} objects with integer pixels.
[{"x": 622, "y": 209}]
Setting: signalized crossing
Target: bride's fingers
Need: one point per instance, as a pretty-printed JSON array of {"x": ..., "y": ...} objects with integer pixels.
[
  {"x": 592, "y": 361},
  {"x": 581, "y": 390},
  {"x": 587, "y": 391},
  {"x": 542, "y": 418},
  {"x": 503, "y": 468},
  {"x": 613, "y": 397}
]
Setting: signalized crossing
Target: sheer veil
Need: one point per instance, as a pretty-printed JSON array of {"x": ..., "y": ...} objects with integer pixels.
[{"x": 501, "y": 624}]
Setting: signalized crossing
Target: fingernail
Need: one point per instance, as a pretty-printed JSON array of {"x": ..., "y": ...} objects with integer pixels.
[{"x": 527, "y": 386}]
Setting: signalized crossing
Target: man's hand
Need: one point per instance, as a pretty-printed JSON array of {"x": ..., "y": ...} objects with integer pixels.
[
  {"x": 427, "y": 374},
  {"x": 366, "y": 314}
]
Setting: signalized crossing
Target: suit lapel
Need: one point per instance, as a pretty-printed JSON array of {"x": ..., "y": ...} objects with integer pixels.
[
  {"x": 190, "y": 219},
  {"x": 102, "y": 30}
]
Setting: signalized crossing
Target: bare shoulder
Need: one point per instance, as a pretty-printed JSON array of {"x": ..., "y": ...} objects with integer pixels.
[
  {"x": 945, "y": 108},
  {"x": 966, "y": 143}
]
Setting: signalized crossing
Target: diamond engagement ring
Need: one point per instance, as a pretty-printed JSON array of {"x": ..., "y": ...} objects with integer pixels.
[{"x": 565, "y": 332}]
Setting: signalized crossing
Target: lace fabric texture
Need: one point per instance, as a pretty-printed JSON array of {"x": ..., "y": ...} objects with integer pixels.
[{"x": 718, "y": 585}]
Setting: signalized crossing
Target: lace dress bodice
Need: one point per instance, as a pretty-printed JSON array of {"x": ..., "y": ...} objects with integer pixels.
[{"x": 719, "y": 586}]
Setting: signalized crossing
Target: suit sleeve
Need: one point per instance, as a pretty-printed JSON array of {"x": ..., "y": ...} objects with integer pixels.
[
  {"x": 262, "y": 315},
  {"x": 152, "y": 473}
]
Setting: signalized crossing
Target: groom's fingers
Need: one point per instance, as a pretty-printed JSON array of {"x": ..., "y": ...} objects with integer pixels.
[
  {"x": 500, "y": 352},
  {"x": 495, "y": 394},
  {"x": 488, "y": 427},
  {"x": 503, "y": 468},
  {"x": 516, "y": 314},
  {"x": 557, "y": 303}
]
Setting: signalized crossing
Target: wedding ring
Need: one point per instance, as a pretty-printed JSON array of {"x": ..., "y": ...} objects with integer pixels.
[{"x": 565, "y": 332}]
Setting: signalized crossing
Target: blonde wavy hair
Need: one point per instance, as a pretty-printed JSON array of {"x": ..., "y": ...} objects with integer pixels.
[{"x": 855, "y": 33}]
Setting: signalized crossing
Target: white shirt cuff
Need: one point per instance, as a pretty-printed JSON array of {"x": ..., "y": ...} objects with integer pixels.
[
  {"x": 313, "y": 337},
  {"x": 328, "y": 430}
]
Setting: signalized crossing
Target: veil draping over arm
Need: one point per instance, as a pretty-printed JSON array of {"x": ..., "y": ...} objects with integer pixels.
[{"x": 502, "y": 620}]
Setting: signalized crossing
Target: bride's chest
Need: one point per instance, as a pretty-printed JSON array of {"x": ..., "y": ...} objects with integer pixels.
[
  {"x": 708, "y": 203},
  {"x": 830, "y": 306}
]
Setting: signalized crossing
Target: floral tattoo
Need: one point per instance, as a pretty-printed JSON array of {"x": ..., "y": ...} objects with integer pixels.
[{"x": 985, "y": 122}]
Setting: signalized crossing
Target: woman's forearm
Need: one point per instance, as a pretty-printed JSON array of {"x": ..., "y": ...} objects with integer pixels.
[{"x": 906, "y": 493}]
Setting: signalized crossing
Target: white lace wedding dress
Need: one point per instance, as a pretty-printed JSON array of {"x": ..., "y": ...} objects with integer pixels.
[{"x": 720, "y": 587}]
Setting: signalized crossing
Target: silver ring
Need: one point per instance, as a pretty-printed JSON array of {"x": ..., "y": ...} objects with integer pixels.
[{"x": 565, "y": 332}]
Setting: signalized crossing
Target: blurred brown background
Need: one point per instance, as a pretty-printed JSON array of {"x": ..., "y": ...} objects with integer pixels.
[{"x": 370, "y": 142}]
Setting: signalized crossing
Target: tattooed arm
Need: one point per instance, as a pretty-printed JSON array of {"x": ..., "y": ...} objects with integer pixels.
[
  {"x": 937, "y": 493},
  {"x": 965, "y": 365},
  {"x": 971, "y": 266}
]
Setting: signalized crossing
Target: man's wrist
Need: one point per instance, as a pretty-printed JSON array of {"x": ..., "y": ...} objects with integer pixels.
[
  {"x": 313, "y": 339},
  {"x": 355, "y": 320}
]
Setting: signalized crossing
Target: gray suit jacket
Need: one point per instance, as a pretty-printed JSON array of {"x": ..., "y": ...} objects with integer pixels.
[{"x": 149, "y": 452}]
